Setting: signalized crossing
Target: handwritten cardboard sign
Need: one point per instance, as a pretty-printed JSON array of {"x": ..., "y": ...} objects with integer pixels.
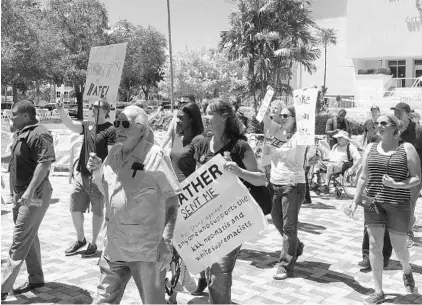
[
  {"x": 103, "y": 75},
  {"x": 265, "y": 104},
  {"x": 216, "y": 215},
  {"x": 305, "y": 103}
]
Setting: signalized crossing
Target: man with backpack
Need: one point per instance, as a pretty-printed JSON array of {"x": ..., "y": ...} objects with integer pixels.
[
  {"x": 336, "y": 124},
  {"x": 343, "y": 156}
]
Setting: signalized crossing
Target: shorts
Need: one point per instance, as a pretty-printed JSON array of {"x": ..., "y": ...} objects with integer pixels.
[
  {"x": 337, "y": 166},
  {"x": 395, "y": 217},
  {"x": 80, "y": 197}
]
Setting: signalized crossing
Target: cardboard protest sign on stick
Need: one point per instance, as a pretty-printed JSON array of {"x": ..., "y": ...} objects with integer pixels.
[
  {"x": 103, "y": 75},
  {"x": 216, "y": 215},
  {"x": 305, "y": 103},
  {"x": 265, "y": 104}
]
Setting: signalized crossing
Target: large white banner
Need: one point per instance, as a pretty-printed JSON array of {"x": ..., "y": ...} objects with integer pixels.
[
  {"x": 216, "y": 215},
  {"x": 305, "y": 103},
  {"x": 103, "y": 75}
]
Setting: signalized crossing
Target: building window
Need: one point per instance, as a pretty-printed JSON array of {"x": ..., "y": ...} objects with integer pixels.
[
  {"x": 398, "y": 70},
  {"x": 58, "y": 94},
  {"x": 418, "y": 62}
]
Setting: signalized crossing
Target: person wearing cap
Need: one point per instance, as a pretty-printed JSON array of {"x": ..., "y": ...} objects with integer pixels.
[
  {"x": 84, "y": 192},
  {"x": 369, "y": 129},
  {"x": 342, "y": 156},
  {"x": 412, "y": 134},
  {"x": 335, "y": 124}
]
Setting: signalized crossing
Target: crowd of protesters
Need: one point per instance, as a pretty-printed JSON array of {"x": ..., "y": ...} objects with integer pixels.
[{"x": 132, "y": 186}]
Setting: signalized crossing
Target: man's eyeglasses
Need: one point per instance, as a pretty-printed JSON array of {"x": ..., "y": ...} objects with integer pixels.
[
  {"x": 125, "y": 124},
  {"x": 383, "y": 124}
]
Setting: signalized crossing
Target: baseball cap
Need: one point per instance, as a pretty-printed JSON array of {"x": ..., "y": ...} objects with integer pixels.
[
  {"x": 375, "y": 107},
  {"x": 402, "y": 106},
  {"x": 342, "y": 134}
]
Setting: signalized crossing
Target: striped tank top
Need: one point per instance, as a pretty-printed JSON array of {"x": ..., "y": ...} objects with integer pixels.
[{"x": 395, "y": 166}]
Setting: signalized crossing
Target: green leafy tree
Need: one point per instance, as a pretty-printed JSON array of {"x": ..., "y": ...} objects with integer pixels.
[
  {"x": 206, "y": 73},
  {"x": 145, "y": 57},
  {"x": 268, "y": 37},
  {"x": 326, "y": 37},
  {"x": 79, "y": 25}
]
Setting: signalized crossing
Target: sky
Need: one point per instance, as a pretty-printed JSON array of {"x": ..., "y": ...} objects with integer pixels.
[{"x": 194, "y": 23}]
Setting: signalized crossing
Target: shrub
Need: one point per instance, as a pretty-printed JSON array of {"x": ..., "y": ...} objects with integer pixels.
[{"x": 385, "y": 71}]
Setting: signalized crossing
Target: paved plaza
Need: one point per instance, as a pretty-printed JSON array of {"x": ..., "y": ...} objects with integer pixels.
[{"x": 327, "y": 273}]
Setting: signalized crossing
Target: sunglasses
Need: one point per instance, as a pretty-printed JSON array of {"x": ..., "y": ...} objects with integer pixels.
[
  {"x": 285, "y": 116},
  {"x": 125, "y": 124},
  {"x": 383, "y": 124}
]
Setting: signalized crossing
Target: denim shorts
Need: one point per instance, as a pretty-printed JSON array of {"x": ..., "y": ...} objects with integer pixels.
[{"x": 395, "y": 217}]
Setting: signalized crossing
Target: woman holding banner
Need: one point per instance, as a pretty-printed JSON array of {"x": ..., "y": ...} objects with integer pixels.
[
  {"x": 189, "y": 129},
  {"x": 288, "y": 181},
  {"x": 227, "y": 136}
]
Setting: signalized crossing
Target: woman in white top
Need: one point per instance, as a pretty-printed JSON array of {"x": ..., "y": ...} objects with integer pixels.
[{"x": 288, "y": 181}]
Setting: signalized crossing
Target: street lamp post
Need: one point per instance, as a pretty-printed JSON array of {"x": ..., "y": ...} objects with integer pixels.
[{"x": 171, "y": 56}]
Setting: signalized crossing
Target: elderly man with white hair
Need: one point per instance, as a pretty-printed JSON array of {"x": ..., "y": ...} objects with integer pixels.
[{"x": 140, "y": 190}]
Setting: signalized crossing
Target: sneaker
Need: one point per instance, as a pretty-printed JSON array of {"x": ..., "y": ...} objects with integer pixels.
[
  {"x": 374, "y": 298},
  {"x": 281, "y": 273},
  {"x": 75, "y": 247},
  {"x": 409, "y": 241},
  {"x": 365, "y": 263},
  {"x": 325, "y": 189},
  {"x": 409, "y": 282},
  {"x": 91, "y": 250}
]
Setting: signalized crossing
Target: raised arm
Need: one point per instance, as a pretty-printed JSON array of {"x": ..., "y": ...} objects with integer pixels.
[{"x": 74, "y": 126}]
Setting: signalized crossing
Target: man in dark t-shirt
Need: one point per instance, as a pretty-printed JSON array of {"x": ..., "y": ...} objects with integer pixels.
[
  {"x": 335, "y": 124},
  {"x": 412, "y": 134},
  {"x": 369, "y": 130},
  {"x": 84, "y": 192}
]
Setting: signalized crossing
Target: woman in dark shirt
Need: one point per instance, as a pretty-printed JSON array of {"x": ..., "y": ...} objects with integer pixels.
[
  {"x": 227, "y": 135},
  {"x": 189, "y": 129}
]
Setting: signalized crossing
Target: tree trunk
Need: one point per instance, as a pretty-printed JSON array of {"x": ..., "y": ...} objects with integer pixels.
[
  {"x": 325, "y": 64},
  {"x": 37, "y": 86},
  {"x": 79, "y": 101},
  {"x": 15, "y": 93}
]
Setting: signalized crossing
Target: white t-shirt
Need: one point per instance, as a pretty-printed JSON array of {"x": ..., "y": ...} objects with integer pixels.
[{"x": 339, "y": 153}]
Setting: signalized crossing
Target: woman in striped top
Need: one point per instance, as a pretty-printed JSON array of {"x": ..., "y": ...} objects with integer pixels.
[{"x": 391, "y": 170}]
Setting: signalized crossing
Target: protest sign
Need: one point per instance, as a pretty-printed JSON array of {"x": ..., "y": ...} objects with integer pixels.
[
  {"x": 305, "y": 103},
  {"x": 103, "y": 75},
  {"x": 265, "y": 104},
  {"x": 216, "y": 214}
]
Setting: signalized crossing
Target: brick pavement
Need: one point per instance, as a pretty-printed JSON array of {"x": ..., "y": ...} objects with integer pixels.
[{"x": 327, "y": 273}]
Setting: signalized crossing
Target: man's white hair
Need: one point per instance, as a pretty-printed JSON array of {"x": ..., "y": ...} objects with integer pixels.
[{"x": 140, "y": 117}]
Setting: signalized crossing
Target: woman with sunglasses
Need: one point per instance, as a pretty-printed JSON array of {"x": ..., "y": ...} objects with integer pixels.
[
  {"x": 227, "y": 135},
  {"x": 288, "y": 181},
  {"x": 189, "y": 129},
  {"x": 391, "y": 170},
  {"x": 103, "y": 133}
]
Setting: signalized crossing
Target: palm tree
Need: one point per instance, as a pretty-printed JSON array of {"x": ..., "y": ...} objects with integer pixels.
[
  {"x": 326, "y": 37},
  {"x": 267, "y": 37}
]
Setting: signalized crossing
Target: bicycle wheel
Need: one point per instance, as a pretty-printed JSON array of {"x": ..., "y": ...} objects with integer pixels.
[{"x": 349, "y": 182}]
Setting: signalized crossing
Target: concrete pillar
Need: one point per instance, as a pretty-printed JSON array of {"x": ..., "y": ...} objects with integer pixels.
[{"x": 410, "y": 67}]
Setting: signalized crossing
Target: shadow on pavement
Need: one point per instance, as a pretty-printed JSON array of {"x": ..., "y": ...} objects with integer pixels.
[
  {"x": 52, "y": 292},
  {"x": 396, "y": 298},
  {"x": 329, "y": 277},
  {"x": 200, "y": 299},
  {"x": 317, "y": 205},
  {"x": 259, "y": 259},
  {"x": 311, "y": 228}
]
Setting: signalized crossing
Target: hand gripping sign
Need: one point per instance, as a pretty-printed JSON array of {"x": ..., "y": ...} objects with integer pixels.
[
  {"x": 103, "y": 75},
  {"x": 216, "y": 215},
  {"x": 305, "y": 103}
]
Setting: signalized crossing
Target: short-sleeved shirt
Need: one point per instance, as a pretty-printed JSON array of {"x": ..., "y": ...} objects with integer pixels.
[
  {"x": 135, "y": 193},
  {"x": 182, "y": 156},
  {"x": 238, "y": 149},
  {"x": 371, "y": 131},
  {"x": 106, "y": 135},
  {"x": 34, "y": 145},
  {"x": 413, "y": 135},
  {"x": 339, "y": 153}
]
